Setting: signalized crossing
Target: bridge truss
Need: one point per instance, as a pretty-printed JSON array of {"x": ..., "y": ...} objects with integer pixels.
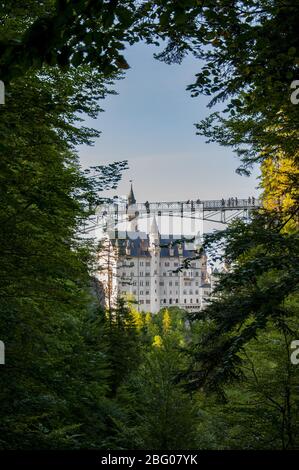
[{"x": 109, "y": 215}]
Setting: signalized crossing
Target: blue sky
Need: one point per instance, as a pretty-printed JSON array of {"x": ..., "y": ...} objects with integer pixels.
[{"x": 150, "y": 123}]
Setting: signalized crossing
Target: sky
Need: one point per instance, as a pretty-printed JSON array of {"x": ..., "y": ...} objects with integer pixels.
[{"x": 150, "y": 123}]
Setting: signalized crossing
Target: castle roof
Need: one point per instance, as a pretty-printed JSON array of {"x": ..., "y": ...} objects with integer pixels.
[{"x": 140, "y": 245}]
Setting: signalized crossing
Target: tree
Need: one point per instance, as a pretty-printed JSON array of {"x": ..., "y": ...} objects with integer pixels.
[
  {"x": 70, "y": 33},
  {"x": 262, "y": 277},
  {"x": 166, "y": 321},
  {"x": 55, "y": 364},
  {"x": 159, "y": 413},
  {"x": 261, "y": 411},
  {"x": 123, "y": 344}
]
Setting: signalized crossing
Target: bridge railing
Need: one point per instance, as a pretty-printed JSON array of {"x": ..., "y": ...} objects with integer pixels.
[{"x": 232, "y": 203}]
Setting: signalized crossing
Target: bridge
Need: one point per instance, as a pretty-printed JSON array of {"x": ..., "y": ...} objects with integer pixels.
[{"x": 221, "y": 211}]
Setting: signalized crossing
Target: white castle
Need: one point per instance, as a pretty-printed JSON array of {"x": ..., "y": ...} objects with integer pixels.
[{"x": 149, "y": 268}]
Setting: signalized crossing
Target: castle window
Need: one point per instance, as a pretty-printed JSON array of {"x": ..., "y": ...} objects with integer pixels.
[
  {"x": 185, "y": 301},
  {"x": 197, "y": 301},
  {"x": 191, "y": 292},
  {"x": 176, "y": 301},
  {"x": 147, "y": 274},
  {"x": 164, "y": 300},
  {"x": 196, "y": 292},
  {"x": 175, "y": 264},
  {"x": 184, "y": 292},
  {"x": 147, "y": 292},
  {"x": 170, "y": 283},
  {"x": 141, "y": 283},
  {"x": 191, "y": 301},
  {"x": 196, "y": 273},
  {"x": 176, "y": 283},
  {"x": 141, "y": 301},
  {"x": 166, "y": 263},
  {"x": 134, "y": 292},
  {"x": 148, "y": 301},
  {"x": 141, "y": 273},
  {"x": 147, "y": 263},
  {"x": 141, "y": 292},
  {"x": 161, "y": 283},
  {"x": 141, "y": 263},
  {"x": 170, "y": 301},
  {"x": 147, "y": 283}
]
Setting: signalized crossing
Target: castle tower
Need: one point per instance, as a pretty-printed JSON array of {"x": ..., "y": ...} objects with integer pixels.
[
  {"x": 132, "y": 212},
  {"x": 181, "y": 274},
  {"x": 154, "y": 250},
  {"x": 154, "y": 235}
]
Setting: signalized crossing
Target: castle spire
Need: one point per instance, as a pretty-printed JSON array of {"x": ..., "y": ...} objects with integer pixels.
[
  {"x": 132, "y": 211},
  {"x": 154, "y": 230},
  {"x": 131, "y": 197}
]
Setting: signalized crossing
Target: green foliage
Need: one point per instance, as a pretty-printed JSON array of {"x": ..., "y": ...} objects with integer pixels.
[
  {"x": 54, "y": 385},
  {"x": 68, "y": 34},
  {"x": 123, "y": 340},
  {"x": 261, "y": 412},
  {"x": 78, "y": 377},
  {"x": 160, "y": 415},
  {"x": 263, "y": 275}
]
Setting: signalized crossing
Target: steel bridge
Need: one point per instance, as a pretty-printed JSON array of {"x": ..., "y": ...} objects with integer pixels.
[{"x": 220, "y": 211}]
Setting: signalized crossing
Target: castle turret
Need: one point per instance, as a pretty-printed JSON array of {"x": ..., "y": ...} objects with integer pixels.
[
  {"x": 155, "y": 250},
  {"x": 132, "y": 212},
  {"x": 154, "y": 235},
  {"x": 131, "y": 197}
]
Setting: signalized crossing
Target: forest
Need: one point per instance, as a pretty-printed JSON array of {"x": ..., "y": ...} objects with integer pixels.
[{"x": 77, "y": 376}]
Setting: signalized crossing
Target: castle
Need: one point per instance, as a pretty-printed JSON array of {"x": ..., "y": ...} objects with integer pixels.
[{"x": 151, "y": 268}]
